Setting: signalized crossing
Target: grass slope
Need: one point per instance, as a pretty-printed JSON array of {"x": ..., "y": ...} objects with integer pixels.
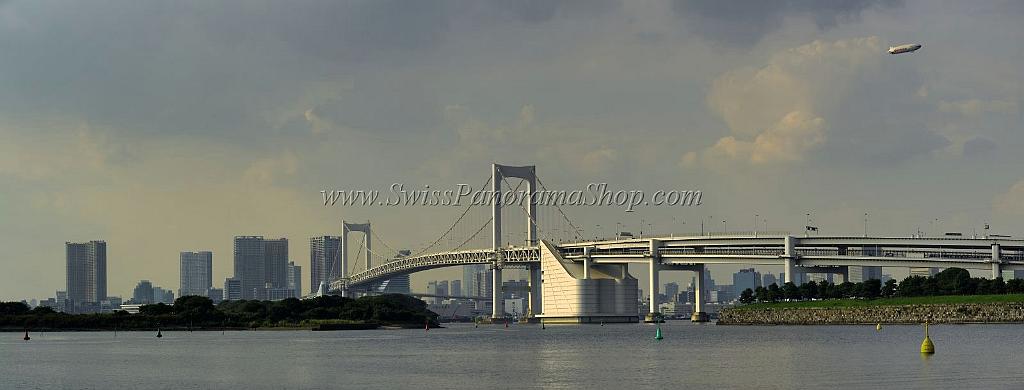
[{"x": 935, "y": 300}]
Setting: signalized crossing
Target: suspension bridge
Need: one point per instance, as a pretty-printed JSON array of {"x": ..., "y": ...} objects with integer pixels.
[{"x": 572, "y": 279}]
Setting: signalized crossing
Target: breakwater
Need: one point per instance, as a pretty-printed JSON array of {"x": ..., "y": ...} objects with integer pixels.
[{"x": 962, "y": 313}]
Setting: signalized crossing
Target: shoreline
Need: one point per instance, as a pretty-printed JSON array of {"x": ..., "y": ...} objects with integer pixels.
[{"x": 949, "y": 313}]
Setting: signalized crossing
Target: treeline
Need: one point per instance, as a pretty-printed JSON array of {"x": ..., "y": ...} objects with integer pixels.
[
  {"x": 194, "y": 312},
  {"x": 951, "y": 281}
]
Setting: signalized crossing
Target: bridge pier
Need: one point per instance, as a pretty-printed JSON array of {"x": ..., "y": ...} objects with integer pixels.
[
  {"x": 498, "y": 302},
  {"x": 652, "y": 288},
  {"x": 997, "y": 261},
  {"x": 789, "y": 252},
  {"x": 699, "y": 315},
  {"x": 535, "y": 291}
]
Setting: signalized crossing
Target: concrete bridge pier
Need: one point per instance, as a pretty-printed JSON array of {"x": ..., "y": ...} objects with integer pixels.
[
  {"x": 789, "y": 254},
  {"x": 536, "y": 307},
  {"x": 652, "y": 289},
  {"x": 498, "y": 302},
  {"x": 699, "y": 315},
  {"x": 997, "y": 261}
]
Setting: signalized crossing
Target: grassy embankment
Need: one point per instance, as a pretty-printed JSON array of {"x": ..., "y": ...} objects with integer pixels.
[{"x": 931, "y": 300}]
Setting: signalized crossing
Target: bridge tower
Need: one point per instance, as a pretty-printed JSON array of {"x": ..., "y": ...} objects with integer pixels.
[
  {"x": 529, "y": 174},
  {"x": 346, "y": 228}
]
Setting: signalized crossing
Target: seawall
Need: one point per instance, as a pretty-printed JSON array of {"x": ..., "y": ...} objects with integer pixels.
[{"x": 964, "y": 313}]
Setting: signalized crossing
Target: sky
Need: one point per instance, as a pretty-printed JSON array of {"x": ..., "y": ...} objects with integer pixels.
[{"x": 162, "y": 127}]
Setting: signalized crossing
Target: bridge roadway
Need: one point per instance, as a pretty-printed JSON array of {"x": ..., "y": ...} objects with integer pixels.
[{"x": 815, "y": 254}]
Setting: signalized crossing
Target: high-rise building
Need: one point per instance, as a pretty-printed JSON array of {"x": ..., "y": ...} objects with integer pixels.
[
  {"x": 216, "y": 295},
  {"x": 477, "y": 280},
  {"x": 162, "y": 295},
  {"x": 232, "y": 289},
  {"x": 276, "y": 258},
  {"x": 456, "y": 288},
  {"x": 746, "y": 278},
  {"x": 324, "y": 260},
  {"x": 260, "y": 264},
  {"x": 768, "y": 278},
  {"x": 672, "y": 291},
  {"x": 143, "y": 293},
  {"x": 249, "y": 266},
  {"x": 295, "y": 278},
  {"x": 86, "y": 271},
  {"x": 196, "y": 275}
]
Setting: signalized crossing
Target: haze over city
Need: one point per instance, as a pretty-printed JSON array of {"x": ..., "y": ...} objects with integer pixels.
[{"x": 163, "y": 129}]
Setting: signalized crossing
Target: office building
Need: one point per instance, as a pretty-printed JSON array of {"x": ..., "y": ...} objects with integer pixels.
[
  {"x": 924, "y": 271},
  {"x": 232, "y": 289},
  {"x": 86, "y": 275},
  {"x": 196, "y": 273},
  {"x": 216, "y": 295},
  {"x": 143, "y": 293},
  {"x": 456, "y": 288},
  {"x": 672, "y": 291},
  {"x": 746, "y": 278},
  {"x": 324, "y": 260},
  {"x": 860, "y": 274},
  {"x": 260, "y": 263},
  {"x": 295, "y": 278}
]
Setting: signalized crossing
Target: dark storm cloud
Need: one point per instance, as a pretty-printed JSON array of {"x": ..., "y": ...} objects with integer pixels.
[{"x": 746, "y": 22}]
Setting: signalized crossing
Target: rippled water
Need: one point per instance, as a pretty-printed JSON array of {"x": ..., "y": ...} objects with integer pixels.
[{"x": 525, "y": 356}]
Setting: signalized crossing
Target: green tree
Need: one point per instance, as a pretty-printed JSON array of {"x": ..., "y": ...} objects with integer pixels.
[
  {"x": 774, "y": 293},
  {"x": 790, "y": 291},
  {"x": 747, "y": 296},
  {"x": 889, "y": 288},
  {"x": 953, "y": 281},
  {"x": 809, "y": 290},
  {"x": 871, "y": 288}
]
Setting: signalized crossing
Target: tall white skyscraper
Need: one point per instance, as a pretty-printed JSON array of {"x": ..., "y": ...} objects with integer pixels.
[{"x": 196, "y": 273}]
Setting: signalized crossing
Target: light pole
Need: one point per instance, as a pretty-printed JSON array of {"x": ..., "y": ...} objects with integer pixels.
[
  {"x": 865, "y": 224},
  {"x": 755, "y": 225}
]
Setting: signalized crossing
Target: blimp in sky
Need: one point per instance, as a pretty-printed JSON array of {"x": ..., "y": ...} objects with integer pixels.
[{"x": 909, "y": 48}]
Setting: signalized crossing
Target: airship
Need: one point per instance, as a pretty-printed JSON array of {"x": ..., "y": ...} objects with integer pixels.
[{"x": 909, "y": 48}]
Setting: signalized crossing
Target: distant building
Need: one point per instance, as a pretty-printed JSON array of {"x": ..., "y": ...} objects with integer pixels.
[
  {"x": 86, "y": 273},
  {"x": 515, "y": 289},
  {"x": 768, "y": 278},
  {"x": 232, "y": 289},
  {"x": 196, "y": 273},
  {"x": 216, "y": 295},
  {"x": 477, "y": 280},
  {"x": 260, "y": 262},
  {"x": 279, "y": 293},
  {"x": 456, "y": 288},
  {"x": 924, "y": 271},
  {"x": 143, "y": 293},
  {"x": 515, "y": 307},
  {"x": 324, "y": 260},
  {"x": 746, "y": 278},
  {"x": 162, "y": 295},
  {"x": 672, "y": 291},
  {"x": 860, "y": 274},
  {"x": 295, "y": 278},
  {"x": 396, "y": 285}
]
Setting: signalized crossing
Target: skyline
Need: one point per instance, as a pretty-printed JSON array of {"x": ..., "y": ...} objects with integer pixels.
[{"x": 167, "y": 130}]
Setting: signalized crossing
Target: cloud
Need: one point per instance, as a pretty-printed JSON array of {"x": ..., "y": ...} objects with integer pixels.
[
  {"x": 746, "y": 23},
  {"x": 787, "y": 141},
  {"x": 1011, "y": 201},
  {"x": 977, "y": 107},
  {"x": 978, "y": 147}
]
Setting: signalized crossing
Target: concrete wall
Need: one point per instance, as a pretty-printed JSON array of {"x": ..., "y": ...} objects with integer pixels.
[{"x": 610, "y": 291}]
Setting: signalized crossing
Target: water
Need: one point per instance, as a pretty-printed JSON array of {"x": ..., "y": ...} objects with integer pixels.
[{"x": 522, "y": 356}]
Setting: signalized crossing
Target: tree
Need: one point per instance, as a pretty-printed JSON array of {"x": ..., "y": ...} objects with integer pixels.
[
  {"x": 997, "y": 286},
  {"x": 13, "y": 308},
  {"x": 790, "y": 291},
  {"x": 889, "y": 288},
  {"x": 871, "y": 288},
  {"x": 747, "y": 296},
  {"x": 809, "y": 290},
  {"x": 954, "y": 281},
  {"x": 761, "y": 294},
  {"x": 1015, "y": 286},
  {"x": 774, "y": 294}
]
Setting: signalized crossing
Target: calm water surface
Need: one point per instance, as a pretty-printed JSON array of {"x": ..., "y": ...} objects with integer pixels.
[{"x": 522, "y": 356}]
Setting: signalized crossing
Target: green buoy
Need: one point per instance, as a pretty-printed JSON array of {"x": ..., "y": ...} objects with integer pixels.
[{"x": 657, "y": 334}]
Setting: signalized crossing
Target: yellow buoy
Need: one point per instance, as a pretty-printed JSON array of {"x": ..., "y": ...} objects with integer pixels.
[
  {"x": 926, "y": 345},
  {"x": 878, "y": 328}
]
